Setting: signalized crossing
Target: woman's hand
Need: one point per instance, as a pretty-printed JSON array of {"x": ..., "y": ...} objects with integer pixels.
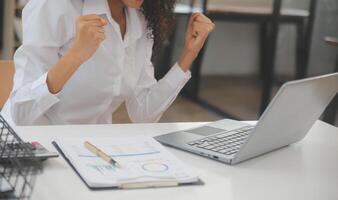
[
  {"x": 89, "y": 35},
  {"x": 199, "y": 28}
]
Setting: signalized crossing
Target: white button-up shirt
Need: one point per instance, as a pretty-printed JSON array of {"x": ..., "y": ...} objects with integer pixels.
[{"x": 120, "y": 71}]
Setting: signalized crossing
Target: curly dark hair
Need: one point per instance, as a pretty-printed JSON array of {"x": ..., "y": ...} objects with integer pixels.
[{"x": 160, "y": 17}]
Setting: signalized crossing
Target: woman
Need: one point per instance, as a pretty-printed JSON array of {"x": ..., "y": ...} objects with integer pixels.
[{"x": 81, "y": 59}]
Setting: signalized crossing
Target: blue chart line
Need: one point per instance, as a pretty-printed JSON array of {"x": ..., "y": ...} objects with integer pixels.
[
  {"x": 123, "y": 155},
  {"x": 119, "y": 150}
]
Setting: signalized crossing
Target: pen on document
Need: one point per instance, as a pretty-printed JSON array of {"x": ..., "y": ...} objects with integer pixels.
[{"x": 101, "y": 154}]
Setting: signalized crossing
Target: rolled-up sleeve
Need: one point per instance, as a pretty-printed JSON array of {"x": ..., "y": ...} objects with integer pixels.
[
  {"x": 152, "y": 98},
  {"x": 44, "y": 33}
]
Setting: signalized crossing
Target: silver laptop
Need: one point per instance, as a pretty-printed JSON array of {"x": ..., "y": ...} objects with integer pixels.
[{"x": 288, "y": 118}]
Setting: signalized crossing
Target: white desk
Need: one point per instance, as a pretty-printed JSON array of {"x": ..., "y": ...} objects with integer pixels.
[{"x": 307, "y": 170}]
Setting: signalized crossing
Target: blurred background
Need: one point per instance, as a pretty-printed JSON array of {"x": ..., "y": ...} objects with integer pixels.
[{"x": 258, "y": 45}]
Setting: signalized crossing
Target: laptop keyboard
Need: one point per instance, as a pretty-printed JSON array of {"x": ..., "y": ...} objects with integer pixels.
[{"x": 226, "y": 143}]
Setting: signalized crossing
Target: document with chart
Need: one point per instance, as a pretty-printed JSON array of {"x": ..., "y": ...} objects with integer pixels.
[{"x": 143, "y": 163}]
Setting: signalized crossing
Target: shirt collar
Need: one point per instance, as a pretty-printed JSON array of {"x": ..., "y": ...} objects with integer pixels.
[
  {"x": 134, "y": 25},
  {"x": 101, "y": 7}
]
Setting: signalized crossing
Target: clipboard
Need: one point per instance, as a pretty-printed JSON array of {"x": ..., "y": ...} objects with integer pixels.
[{"x": 136, "y": 185}]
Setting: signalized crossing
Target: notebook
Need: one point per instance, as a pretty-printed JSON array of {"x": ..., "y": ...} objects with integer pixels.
[{"x": 144, "y": 163}]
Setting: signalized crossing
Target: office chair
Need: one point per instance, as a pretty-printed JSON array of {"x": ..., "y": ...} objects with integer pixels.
[
  {"x": 6, "y": 80},
  {"x": 1, "y": 23}
]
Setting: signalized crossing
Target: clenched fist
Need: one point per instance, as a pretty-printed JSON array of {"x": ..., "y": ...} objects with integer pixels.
[
  {"x": 199, "y": 28},
  {"x": 89, "y": 35}
]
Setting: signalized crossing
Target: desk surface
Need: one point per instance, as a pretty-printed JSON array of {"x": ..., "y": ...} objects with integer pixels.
[{"x": 305, "y": 170}]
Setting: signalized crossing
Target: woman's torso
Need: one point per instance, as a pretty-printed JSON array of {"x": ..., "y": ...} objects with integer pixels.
[{"x": 109, "y": 77}]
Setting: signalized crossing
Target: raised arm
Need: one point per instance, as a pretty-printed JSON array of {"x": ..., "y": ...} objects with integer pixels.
[
  {"x": 41, "y": 72},
  {"x": 151, "y": 98}
]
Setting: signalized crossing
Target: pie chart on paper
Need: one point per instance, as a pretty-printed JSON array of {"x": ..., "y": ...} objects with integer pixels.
[{"x": 155, "y": 167}]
